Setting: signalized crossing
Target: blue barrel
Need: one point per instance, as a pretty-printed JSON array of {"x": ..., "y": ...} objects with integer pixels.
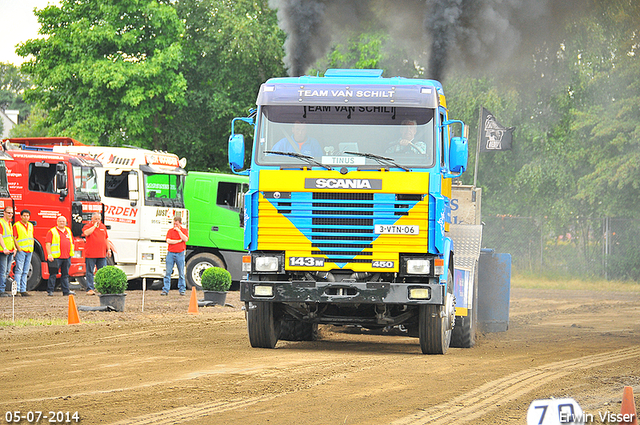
[{"x": 494, "y": 288}]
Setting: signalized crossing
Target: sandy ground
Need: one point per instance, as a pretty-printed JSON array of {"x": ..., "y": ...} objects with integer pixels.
[{"x": 165, "y": 366}]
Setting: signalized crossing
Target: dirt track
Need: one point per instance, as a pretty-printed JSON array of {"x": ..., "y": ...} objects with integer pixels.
[{"x": 164, "y": 366}]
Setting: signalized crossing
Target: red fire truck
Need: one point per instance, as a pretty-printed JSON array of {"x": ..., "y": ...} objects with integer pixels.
[
  {"x": 51, "y": 184},
  {"x": 5, "y": 198}
]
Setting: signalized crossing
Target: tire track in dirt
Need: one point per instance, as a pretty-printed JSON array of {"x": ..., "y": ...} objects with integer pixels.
[
  {"x": 189, "y": 413},
  {"x": 462, "y": 409},
  {"x": 488, "y": 397}
]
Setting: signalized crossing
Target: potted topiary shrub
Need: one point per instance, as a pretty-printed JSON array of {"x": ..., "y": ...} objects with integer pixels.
[
  {"x": 111, "y": 282},
  {"x": 216, "y": 281}
]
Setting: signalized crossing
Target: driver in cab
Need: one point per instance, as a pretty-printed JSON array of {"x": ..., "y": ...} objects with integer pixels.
[{"x": 299, "y": 142}]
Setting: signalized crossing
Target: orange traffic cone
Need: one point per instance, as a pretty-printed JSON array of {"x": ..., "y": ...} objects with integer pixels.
[
  {"x": 628, "y": 410},
  {"x": 193, "y": 303},
  {"x": 73, "y": 311}
]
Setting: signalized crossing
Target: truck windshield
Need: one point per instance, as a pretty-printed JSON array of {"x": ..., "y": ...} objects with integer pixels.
[
  {"x": 4, "y": 185},
  {"x": 164, "y": 190},
  {"x": 329, "y": 133},
  {"x": 85, "y": 184}
]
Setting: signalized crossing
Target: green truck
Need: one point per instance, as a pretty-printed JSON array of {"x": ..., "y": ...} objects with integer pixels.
[{"x": 216, "y": 224}]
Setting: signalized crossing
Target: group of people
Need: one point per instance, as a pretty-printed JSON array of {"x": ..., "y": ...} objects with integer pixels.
[{"x": 17, "y": 243}]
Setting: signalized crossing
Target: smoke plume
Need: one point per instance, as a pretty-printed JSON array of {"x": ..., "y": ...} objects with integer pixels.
[{"x": 472, "y": 35}]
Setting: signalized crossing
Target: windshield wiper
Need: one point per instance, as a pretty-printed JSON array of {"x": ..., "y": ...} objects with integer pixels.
[
  {"x": 307, "y": 158},
  {"x": 383, "y": 160}
]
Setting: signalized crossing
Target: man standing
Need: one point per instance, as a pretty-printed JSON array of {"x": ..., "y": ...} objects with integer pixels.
[
  {"x": 8, "y": 248},
  {"x": 96, "y": 250},
  {"x": 59, "y": 245},
  {"x": 177, "y": 238},
  {"x": 23, "y": 234}
]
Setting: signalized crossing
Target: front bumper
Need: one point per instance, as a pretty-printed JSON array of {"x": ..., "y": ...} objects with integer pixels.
[{"x": 342, "y": 292}]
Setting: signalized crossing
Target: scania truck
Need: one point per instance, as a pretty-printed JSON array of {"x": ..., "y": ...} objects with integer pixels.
[{"x": 349, "y": 223}]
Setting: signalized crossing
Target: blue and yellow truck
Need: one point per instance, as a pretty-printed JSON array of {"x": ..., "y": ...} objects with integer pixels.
[{"x": 347, "y": 217}]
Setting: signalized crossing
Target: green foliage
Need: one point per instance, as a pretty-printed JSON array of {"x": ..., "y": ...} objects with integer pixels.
[
  {"x": 107, "y": 72},
  {"x": 230, "y": 49},
  {"x": 373, "y": 49},
  {"x": 12, "y": 85},
  {"x": 216, "y": 279},
  {"x": 34, "y": 126},
  {"x": 110, "y": 280}
]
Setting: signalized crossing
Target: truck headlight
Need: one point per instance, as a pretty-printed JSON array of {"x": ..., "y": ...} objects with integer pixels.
[
  {"x": 266, "y": 264},
  {"x": 148, "y": 256},
  {"x": 418, "y": 266}
]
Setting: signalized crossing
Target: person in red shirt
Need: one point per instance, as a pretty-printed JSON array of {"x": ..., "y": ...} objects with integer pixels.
[
  {"x": 177, "y": 238},
  {"x": 59, "y": 246},
  {"x": 96, "y": 249}
]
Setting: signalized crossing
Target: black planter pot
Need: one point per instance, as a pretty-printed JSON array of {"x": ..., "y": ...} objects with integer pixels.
[
  {"x": 216, "y": 297},
  {"x": 114, "y": 300}
]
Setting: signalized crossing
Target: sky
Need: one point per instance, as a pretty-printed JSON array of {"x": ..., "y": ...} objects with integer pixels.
[{"x": 18, "y": 24}]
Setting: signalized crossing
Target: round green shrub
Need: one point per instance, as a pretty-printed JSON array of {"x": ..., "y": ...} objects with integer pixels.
[
  {"x": 216, "y": 279},
  {"x": 110, "y": 280}
]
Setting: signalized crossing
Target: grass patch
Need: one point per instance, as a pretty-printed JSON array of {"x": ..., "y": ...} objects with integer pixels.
[
  {"x": 538, "y": 282},
  {"x": 34, "y": 322}
]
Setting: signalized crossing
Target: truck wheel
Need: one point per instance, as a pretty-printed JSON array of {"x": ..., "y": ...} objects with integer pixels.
[
  {"x": 464, "y": 332},
  {"x": 197, "y": 264},
  {"x": 263, "y": 327},
  {"x": 82, "y": 281},
  {"x": 295, "y": 330},
  {"x": 436, "y": 323},
  {"x": 34, "y": 276}
]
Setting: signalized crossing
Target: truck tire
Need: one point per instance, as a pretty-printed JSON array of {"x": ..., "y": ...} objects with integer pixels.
[
  {"x": 464, "y": 332},
  {"x": 295, "y": 330},
  {"x": 436, "y": 323},
  {"x": 197, "y": 264},
  {"x": 34, "y": 276},
  {"x": 263, "y": 327}
]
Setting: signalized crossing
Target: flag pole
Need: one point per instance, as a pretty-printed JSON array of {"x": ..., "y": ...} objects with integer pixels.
[{"x": 475, "y": 171}]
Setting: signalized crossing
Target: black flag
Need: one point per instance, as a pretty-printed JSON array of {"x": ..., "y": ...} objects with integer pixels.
[{"x": 493, "y": 136}]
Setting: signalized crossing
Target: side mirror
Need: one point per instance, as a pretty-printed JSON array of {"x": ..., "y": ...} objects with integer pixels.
[
  {"x": 458, "y": 150},
  {"x": 61, "y": 177},
  {"x": 458, "y": 154},
  {"x": 236, "y": 152}
]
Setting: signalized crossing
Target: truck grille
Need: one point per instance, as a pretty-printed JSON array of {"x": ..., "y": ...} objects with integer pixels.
[{"x": 341, "y": 226}]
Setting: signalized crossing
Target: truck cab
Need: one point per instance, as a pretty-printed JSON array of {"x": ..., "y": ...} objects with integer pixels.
[
  {"x": 51, "y": 184},
  {"x": 142, "y": 191}
]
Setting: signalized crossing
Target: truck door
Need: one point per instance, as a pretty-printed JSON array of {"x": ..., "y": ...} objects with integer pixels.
[
  {"x": 122, "y": 213},
  {"x": 46, "y": 196}
]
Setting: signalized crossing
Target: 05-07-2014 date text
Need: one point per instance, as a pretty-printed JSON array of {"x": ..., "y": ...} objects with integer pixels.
[{"x": 34, "y": 416}]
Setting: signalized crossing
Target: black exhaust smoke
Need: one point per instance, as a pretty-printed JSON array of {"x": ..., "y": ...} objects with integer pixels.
[{"x": 475, "y": 35}]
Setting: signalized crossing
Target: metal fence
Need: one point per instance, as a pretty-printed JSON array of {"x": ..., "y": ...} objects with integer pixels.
[{"x": 607, "y": 248}]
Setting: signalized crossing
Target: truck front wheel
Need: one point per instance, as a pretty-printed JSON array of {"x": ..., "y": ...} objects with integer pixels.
[
  {"x": 34, "y": 276},
  {"x": 263, "y": 326},
  {"x": 436, "y": 323},
  {"x": 197, "y": 264}
]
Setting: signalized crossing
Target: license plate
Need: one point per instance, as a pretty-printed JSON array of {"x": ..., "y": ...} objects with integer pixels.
[{"x": 394, "y": 229}]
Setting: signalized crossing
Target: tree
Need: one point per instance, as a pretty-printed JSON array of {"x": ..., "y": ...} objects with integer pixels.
[
  {"x": 107, "y": 72},
  {"x": 33, "y": 126},
  {"x": 230, "y": 48},
  {"x": 12, "y": 86}
]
